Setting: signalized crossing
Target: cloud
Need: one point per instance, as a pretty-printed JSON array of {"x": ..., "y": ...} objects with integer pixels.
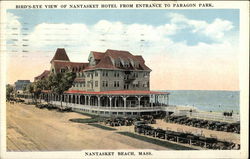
[
  {"x": 117, "y": 35},
  {"x": 215, "y": 30}
]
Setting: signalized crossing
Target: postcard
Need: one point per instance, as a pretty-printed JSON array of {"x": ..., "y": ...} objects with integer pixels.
[{"x": 124, "y": 79}]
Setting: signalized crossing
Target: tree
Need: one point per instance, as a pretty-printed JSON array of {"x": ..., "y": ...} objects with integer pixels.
[
  {"x": 9, "y": 91},
  {"x": 35, "y": 88},
  {"x": 30, "y": 89},
  {"x": 24, "y": 91},
  {"x": 38, "y": 87},
  {"x": 60, "y": 82}
]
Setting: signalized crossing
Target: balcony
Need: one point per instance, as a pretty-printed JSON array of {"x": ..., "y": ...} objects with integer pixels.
[{"x": 129, "y": 78}]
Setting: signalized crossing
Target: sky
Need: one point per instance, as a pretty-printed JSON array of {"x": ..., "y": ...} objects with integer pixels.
[{"x": 186, "y": 49}]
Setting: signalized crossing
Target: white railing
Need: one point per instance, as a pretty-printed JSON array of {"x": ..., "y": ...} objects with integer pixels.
[
  {"x": 214, "y": 116},
  {"x": 179, "y": 110},
  {"x": 79, "y": 106}
]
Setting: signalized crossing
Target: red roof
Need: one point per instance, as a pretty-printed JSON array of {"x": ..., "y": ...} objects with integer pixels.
[
  {"x": 74, "y": 66},
  {"x": 107, "y": 57},
  {"x": 43, "y": 75},
  {"x": 97, "y": 55},
  {"x": 139, "y": 58},
  {"x": 60, "y": 55},
  {"x": 105, "y": 61},
  {"x": 122, "y": 92}
]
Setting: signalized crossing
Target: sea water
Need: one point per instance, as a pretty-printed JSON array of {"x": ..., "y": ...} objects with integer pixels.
[{"x": 215, "y": 101}]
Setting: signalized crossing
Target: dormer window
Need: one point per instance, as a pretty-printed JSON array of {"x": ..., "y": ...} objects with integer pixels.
[
  {"x": 126, "y": 64},
  {"x": 117, "y": 63},
  {"x": 136, "y": 64}
]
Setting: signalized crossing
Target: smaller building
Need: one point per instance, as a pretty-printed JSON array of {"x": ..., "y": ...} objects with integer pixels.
[
  {"x": 20, "y": 84},
  {"x": 42, "y": 75}
]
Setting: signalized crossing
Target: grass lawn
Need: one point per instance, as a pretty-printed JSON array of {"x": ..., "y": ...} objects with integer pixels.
[
  {"x": 102, "y": 127},
  {"x": 92, "y": 119},
  {"x": 89, "y": 120},
  {"x": 157, "y": 142},
  {"x": 87, "y": 114}
]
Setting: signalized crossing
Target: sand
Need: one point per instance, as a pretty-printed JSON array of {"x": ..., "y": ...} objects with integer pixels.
[{"x": 33, "y": 129}]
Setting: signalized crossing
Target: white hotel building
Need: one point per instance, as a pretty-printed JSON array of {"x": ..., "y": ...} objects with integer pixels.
[{"x": 112, "y": 83}]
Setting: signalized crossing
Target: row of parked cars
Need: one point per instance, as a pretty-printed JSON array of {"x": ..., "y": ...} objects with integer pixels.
[
  {"x": 52, "y": 107},
  {"x": 15, "y": 100},
  {"x": 206, "y": 124},
  {"x": 185, "y": 138},
  {"x": 128, "y": 121}
]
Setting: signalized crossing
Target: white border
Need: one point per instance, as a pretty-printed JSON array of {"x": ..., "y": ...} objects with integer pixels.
[{"x": 244, "y": 84}]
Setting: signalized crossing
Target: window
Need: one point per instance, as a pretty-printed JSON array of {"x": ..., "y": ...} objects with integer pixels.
[
  {"x": 96, "y": 83},
  {"x": 116, "y": 84},
  {"x": 84, "y": 83},
  {"x": 136, "y": 84},
  {"x": 96, "y": 73},
  {"x": 125, "y": 77},
  {"x": 126, "y": 86},
  {"x": 116, "y": 74},
  {"x": 135, "y": 74},
  {"x": 126, "y": 64},
  {"x": 105, "y": 73},
  {"x": 136, "y": 64},
  {"x": 117, "y": 63},
  {"x": 62, "y": 70},
  {"x": 104, "y": 83},
  {"x": 145, "y": 84}
]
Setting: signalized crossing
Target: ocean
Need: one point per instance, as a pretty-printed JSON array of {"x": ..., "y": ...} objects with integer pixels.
[{"x": 216, "y": 101}]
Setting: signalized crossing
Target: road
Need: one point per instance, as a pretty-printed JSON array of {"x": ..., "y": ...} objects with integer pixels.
[{"x": 33, "y": 129}]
